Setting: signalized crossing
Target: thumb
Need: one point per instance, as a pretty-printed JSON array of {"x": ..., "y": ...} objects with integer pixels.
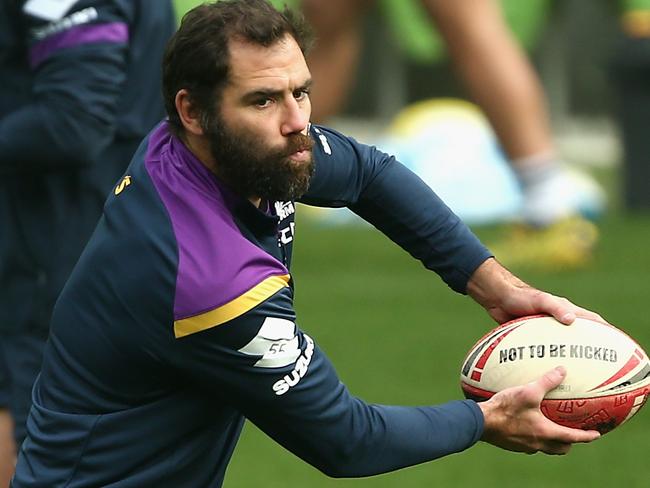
[
  {"x": 558, "y": 308},
  {"x": 550, "y": 380}
]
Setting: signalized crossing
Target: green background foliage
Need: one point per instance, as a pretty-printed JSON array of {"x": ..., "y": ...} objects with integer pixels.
[
  {"x": 411, "y": 30},
  {"x": 183, "y": 6}
]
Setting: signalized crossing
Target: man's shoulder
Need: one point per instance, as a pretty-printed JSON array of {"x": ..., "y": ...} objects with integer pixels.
[{"x": 216, "y": 263}]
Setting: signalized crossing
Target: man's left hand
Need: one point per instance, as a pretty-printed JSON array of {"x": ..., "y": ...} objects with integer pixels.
[{"x": 505, "y": 297}]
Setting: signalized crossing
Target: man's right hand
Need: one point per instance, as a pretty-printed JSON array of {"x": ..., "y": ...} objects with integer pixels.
[{"x": 514, "y": 421}]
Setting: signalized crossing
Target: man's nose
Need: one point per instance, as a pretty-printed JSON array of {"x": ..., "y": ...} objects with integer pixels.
[{"x": 296, "y": 117}]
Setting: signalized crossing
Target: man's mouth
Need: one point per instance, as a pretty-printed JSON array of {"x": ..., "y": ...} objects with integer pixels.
[{"x": 301, "y": 156}]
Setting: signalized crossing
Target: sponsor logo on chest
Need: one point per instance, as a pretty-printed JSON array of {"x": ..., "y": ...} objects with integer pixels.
[{"x": 284, "y": 209}]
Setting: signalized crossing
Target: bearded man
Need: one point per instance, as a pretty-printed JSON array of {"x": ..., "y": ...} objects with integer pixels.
[{"x": 178, "y": 321}]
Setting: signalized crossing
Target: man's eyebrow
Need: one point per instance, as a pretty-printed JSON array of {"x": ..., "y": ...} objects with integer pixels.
[
  {"x": 270, "y": 93},
  {"x": 261, "y": 93},
  {"x": 306, "y": 85}
]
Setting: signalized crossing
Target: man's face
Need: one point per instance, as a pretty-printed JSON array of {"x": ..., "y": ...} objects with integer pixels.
[{"x": 259, "y": 138}]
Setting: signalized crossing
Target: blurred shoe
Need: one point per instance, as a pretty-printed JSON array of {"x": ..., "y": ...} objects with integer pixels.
[
  {"x": 556, "y": 192},
  {"x": 567, "y": 244}
]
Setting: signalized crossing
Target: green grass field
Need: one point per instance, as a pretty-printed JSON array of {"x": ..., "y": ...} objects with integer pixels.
[{"x": 397, "y": 335}]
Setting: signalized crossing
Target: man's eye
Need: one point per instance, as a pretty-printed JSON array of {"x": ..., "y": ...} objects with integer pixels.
[
  {"x": 263, "y": 102},
  {"x": 301, "y": 94}
]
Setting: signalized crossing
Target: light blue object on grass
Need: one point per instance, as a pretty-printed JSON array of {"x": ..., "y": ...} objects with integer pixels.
[{"x": 450, "y": 145}]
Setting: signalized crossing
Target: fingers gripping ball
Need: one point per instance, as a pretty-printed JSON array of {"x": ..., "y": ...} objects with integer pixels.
[{"x": 608, "y": 373}]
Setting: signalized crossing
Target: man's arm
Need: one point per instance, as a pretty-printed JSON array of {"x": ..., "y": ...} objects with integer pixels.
[
  {"x": 278, "y": 377},
  {"x": 396, "y": 201},
  {"x": 78, "y": 64}
]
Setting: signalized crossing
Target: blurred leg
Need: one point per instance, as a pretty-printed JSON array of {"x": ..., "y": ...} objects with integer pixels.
[
  {"x": 496, "y": 72},
  {"x": 333, "y": 61},
  {"x": 7, "y": 448},
  {"x": 503, "y": 82},
  {"x": 7, "y": 444},
  {"x": 631, "y": 74}
]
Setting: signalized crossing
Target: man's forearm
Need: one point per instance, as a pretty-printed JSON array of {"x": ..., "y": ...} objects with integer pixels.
[
  {"x": 490, "y": 282},
  {"x": 503, "y": 295}
]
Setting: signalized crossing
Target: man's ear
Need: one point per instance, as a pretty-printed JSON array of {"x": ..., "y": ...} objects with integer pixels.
[{"x": 188, "y": 113}]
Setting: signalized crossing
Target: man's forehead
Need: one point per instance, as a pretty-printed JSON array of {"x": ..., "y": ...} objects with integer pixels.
[{"x": 253, "y": 64}]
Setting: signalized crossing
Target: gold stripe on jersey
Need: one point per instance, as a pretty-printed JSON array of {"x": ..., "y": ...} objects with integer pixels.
[{"x": 232, "y": 309}]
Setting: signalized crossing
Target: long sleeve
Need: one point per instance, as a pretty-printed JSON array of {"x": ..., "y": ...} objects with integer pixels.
[
  {"x": 396, "y": 201},
  {"x": 267, "y": 368}
]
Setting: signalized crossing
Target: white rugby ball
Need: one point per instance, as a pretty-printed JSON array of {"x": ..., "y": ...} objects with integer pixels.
[{"x": 608, "y": 373}]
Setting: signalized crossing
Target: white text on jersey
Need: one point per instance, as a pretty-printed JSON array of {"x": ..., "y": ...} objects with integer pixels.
[{"x": 290, "y": 380}]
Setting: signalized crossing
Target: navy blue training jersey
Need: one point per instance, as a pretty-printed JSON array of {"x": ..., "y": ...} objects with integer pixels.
[{"x": 178, "y": 322}]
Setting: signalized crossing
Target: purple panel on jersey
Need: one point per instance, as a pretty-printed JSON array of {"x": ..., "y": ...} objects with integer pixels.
[
  {"x": 216, "y": 263},
  {"x": 114, "y": 32}
]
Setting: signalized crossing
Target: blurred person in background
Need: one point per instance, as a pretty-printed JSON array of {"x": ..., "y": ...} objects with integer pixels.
[
  {"x": 80, "y": 88},
  {"x": 501, "y": 80},
  {"x": 631, "y": 76}
]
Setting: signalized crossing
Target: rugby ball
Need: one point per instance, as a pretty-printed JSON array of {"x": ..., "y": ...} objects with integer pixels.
[{"x": 608, "y": 373}]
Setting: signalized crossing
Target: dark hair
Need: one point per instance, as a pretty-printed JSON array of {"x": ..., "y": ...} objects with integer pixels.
[{"x": 197, "y": 55}]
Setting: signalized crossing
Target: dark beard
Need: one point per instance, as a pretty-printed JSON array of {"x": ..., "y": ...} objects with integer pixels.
[{"x": 250, "y": 168}]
